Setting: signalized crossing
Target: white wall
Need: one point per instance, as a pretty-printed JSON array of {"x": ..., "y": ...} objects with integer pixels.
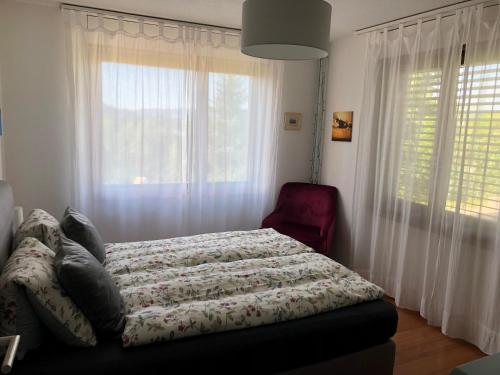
[
  {"x": 37, "y": 127},
  {"x": 35, "y": 105},
  {"x": 344, "y": 92},
  {"x": 295, "y": 147}
]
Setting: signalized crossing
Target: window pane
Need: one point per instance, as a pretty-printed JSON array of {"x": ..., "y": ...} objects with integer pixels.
[
  {"x": 149, "y": 133},
  {"x": 142, "y": 124},
  {"x": 420, "y": 131},
  {"x": 474, "y": 185},
  {"x": 475, "y": 178},
  {"x": 228, "y": 127}
]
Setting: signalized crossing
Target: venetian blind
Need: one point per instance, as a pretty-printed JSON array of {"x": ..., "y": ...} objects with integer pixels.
[{"x": 475, "y": 176}]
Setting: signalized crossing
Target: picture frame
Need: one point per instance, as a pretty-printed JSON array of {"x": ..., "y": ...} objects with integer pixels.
[
  {"x": 293, "y": 121},
  {"x": 342, "y": 126}
]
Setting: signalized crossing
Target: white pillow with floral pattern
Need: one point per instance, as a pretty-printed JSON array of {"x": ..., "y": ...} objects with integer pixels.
[
  {"x": 40, "y": 225},
  {"x": 32, "y": 266}
]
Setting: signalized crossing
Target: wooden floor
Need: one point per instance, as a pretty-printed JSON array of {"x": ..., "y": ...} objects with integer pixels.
[{"x": 424, "y": 350}]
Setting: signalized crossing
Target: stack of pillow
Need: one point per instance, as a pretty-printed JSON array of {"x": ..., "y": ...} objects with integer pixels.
[{"x": 55, "y": 281}]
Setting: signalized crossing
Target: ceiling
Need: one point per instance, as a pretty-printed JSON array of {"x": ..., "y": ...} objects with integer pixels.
[{"x": 347, "y": 15}]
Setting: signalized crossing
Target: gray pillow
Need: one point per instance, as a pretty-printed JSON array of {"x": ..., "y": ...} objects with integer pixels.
[
  {"x": 90, "y": 286},
  {"x": 79, "y": 228},
  {"x": 17, "y": 316},
  {"x": 23, "y": 319}
]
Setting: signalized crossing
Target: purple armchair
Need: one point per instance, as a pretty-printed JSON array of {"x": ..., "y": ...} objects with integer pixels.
[{"x": 307, "y": 213}]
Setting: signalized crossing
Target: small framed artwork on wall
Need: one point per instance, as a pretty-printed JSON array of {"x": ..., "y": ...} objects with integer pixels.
[
  {"x": 293, "y": 120},
  {"x": 342, "y": 126}
]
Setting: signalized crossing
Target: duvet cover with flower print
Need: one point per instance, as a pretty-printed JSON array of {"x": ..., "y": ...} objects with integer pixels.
[{"x": 215, "y": 282}]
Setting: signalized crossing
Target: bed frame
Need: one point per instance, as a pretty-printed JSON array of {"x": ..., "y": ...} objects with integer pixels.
[{"x": 224, "y": 352}]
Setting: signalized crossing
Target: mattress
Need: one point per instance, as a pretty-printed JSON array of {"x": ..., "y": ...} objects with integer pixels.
[
  {"x": 215, "y": 282},
  {"x": 263, "y": 349}
]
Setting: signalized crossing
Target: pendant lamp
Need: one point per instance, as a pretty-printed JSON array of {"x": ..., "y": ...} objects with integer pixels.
[{"x": 286, "y": 29}]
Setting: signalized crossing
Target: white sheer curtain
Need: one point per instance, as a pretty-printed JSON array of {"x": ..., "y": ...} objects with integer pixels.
[
  {"x": 427, "y": 198},
  {"x": 175, "y": 129}
]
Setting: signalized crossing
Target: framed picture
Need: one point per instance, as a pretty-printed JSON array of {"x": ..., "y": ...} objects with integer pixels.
[
  {"x": 293, "y": 120},
  {"x": 342, "y": 126}
]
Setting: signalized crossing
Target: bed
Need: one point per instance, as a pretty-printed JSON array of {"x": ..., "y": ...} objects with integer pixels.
[{"x": 353, "y": 339}]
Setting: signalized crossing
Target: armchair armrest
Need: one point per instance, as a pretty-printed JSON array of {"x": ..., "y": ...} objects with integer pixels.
[{"x": 12, "y": 343}]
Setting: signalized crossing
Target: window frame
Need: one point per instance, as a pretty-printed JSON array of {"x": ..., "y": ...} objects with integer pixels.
[{"x": 168, "y": 63}]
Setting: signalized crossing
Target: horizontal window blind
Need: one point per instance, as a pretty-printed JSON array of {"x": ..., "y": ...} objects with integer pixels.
[
  {"x": 475, "y": 177},
  {"x": 474, "y": 183},
  {"x": 418, "y": 146}
]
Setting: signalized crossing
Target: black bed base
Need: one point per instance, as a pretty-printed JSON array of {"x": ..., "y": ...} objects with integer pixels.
[
  {"x": 348, "y": 339},
  {"x": 376, "y": 360}
]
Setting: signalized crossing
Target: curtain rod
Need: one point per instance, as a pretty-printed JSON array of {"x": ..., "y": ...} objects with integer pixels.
[
  {"x": 116, "y": 13},
  {"x": 428, "y": 15}
]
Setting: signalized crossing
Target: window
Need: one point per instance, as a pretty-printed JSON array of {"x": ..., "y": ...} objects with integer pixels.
[
  {"x": 475, "y": 174},
  {"x": 175, "y": 129},
  {"x": 145, "y": 137},
  {"x": 418, "y": 145},
  {"x": 228, "y": 127},
  {"x": 474, "y": 179}
]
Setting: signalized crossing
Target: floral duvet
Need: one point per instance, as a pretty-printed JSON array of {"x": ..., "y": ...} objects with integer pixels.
[{"x": 215, "y": 282}]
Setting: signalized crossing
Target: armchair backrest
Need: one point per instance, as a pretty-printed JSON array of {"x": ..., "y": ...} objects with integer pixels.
[{"x": 308, "y": 204}]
